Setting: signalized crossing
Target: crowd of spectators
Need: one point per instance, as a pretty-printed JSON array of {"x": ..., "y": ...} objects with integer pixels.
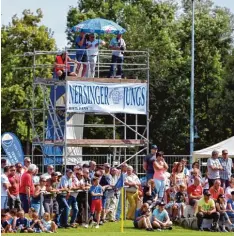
[{"x": 88, "y": 195}]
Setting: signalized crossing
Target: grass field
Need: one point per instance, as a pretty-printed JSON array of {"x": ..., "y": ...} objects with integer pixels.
[{"x": 113, "y": 229}]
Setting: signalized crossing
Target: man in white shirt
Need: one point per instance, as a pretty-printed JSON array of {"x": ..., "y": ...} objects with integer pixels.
[
  {"x": 92, "y": 53},
  {"x": 5, "y": 184},
  {"x": 47, "y": 175},
  {"x": 118, "y": 45}
]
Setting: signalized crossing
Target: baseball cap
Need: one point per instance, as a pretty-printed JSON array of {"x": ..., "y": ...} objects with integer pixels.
[
  {"x": 58, "y": 173},
  {"x": 206, "y": 193},
  {"x": 69, "y": 170},
  {"x": 27, "y": 159},
  {"x": 161, "y": 204},
  {"x": 154, "y": 146}
]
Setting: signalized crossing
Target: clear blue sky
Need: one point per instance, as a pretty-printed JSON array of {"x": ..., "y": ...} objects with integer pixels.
[{"x": 55, "y": 13}]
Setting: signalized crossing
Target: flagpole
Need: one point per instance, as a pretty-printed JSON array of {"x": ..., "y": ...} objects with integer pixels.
[{"x": 122, "y": 210}]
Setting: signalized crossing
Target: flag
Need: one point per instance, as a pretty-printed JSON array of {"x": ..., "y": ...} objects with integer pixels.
[{"x": 120, "y": 183}]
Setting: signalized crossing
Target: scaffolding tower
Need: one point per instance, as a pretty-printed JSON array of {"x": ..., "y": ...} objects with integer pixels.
[{"x": 129, "y": 132}]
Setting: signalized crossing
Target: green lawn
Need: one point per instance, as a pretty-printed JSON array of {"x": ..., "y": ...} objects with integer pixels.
[{"x": 113, "y": 229}]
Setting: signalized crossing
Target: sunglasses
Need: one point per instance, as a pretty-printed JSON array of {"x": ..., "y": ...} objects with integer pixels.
[
  {"x": 19, "y": 167},
  {"x": 12, "y": 170}
]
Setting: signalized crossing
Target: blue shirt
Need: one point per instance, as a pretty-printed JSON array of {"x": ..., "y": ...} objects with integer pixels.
[
  {"x": 23, "y": 222},
  {"x": 230, "y": 201},
  {"x": 162, "y": 216},
  {"x": 227, "y": 168},
  {"x": 137, "y": 214},
  {"x": 65, "y": 182},
  {"x": 117, "y": 43},
  {"x": 96, "y": 189},
  {"x": 80, "y": 52}
]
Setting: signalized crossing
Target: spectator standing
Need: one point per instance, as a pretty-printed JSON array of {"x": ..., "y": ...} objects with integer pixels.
[
  {"x": 50, "y": 170},
  {"x": 81, "y": 55},
  {"x": 5, "y": 185},
  {"x": 92, "y": 169},
  {"x": 27, "y": 163},
  {"x": 26, "y": 189},
  {"x": 96, "y": 205},
  {"x": 14, "y": 199},
  {"x": 92, "y": 53},
  {"x": 65, "y": 185},
  {"x": 160, "y": 168},
  {"x": 206, "y": 209},
  {"x": 133, "y": 183},
  {"x": 214, "y": 167},
  {"x": 216, "y": 190},
  {"x": 184, "y": 162},
  {"x": 226, "y": 172},
  {"x": 118, "y": 45},
  {"x": 19, "y": 171},
  {"x": 149, "y": 162},
  {"x": 3, "y": 164}
]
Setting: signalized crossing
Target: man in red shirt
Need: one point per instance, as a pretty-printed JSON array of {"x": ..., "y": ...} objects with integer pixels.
[
  {"x": 195, "y": 192},
  {"x": 216, "y": 190},
  {"x": 13, "y": 191},
  {"x": 26, "y": 189}
]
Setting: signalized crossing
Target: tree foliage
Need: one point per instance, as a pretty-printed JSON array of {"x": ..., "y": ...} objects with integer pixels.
[{"x": 20, "y": 36}]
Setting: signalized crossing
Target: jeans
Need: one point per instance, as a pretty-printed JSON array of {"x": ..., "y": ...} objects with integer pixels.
[
  {"x": 4, "y": 202},
  {"x": 149, "y": 176},
  {"x": 92, "y": 64},
  {"x": 200, "y": 216},
  {"x": 160, "y": 186},
  {"x": 25, "y": 202},
  {"x": 73, "y": 203},
  {"x": 63, "y": 210},
  {"x": 116, "y": 59},
  {"x": 118, "y": 211}
]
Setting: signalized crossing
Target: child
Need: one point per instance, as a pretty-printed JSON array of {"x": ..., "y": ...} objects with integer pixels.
[
  {"x": 21, "y": 223},
  {"x": 5, "y": 225},
  {"x": 35, "y": 224},
  {"x": 171, "y": 206},
  {"x": 48, "y": 225},
  {"x": 180, "y": 200},
  {"x": 13, "y": 218},
  {"x": 96, "y": 204}
]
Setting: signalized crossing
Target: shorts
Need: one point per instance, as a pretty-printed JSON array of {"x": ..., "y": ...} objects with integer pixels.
[
  {"x": 81, "y": 57},
  {"x": 63, "y": 76},
  {"x": 192, "y": 202},
  {"x": 96, "y": 205}
]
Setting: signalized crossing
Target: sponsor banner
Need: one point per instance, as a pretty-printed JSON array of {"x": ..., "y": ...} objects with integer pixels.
[
  {"x": 106, "y": 97},
  {"x": 13, "y": 148}
]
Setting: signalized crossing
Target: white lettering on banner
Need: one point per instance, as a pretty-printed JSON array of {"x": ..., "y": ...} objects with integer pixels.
[{"x": 107, "y": 98}]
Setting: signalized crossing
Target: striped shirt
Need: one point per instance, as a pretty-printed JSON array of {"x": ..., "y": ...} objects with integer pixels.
[{"x": 227, "y": 168}]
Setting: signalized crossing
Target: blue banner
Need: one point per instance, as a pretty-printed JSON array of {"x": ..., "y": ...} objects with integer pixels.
[{"x": 13, "y": 148}]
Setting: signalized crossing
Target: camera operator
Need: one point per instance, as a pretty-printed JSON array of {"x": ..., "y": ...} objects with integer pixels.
[{"x": 118, "y": 45}]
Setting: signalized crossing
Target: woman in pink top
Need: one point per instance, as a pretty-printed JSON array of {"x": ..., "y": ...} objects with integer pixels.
[{"x": 160, "y": 168}]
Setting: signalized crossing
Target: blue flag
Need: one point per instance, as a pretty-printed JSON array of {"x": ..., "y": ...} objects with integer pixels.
[
  {"x": 13, "y": 148},
  {"x": 120, "y": 182}
]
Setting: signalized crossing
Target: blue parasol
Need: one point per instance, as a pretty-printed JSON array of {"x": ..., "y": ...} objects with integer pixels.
[{"x": 98, "y": 26}]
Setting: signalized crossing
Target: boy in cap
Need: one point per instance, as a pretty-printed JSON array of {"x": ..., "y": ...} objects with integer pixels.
[{"x": 96, "y": 203}]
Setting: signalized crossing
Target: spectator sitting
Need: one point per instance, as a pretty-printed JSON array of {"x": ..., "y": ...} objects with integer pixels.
[
  {"x": 150, "y": 194},
  {"x": 48, "y": 225},
  {"x": 205, "y": 181},
  {"x": 221, "y": 206},
  {"x": 96, "y": 205},
  {"x": 195, "y": 192},
  {"x": 62, "y": 66},
  {"x": 178, "y": 176},
  {"x": 229, "y": 189},
  {"x": 13, "y": 218},
  {"x": 142, "y": 218},
  {"x": 171, "y": 206},
  {"x": 35, "y": 224},
  {"x": 216, "y": 190},
  {"x": 180, "y": 200},
  {"x": 230, "y": 206},
  {"x": 160, "y": 218},
  {"x": 22, "y": 223},
  {"x": 194, "y": 173},
  {"x": 206, "y": 209},
  {"x": 195, "y": 165},
  {"x": 6, "y": 227}
]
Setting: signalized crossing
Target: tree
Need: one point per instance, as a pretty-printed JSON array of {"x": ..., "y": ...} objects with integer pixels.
[{"x": 20, "y": 36}]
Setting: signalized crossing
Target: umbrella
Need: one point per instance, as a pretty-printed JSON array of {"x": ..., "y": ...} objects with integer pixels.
[{"x": 98, "y": 26}]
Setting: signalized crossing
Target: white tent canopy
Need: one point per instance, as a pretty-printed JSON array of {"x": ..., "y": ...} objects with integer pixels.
[{"x": 206, "y": 152}]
